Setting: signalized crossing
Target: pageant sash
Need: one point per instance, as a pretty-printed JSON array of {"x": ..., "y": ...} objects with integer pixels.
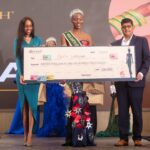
[{"x": 71, "y": 39}]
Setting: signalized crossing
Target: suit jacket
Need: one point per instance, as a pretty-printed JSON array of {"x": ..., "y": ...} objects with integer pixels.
[{"x": 142, "y": 56}]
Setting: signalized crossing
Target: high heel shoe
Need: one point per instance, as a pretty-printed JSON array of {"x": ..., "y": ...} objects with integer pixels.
[
  {"x": 29, "y": 141},
  {"x": 29, "y": 144},
  {"x": 25, "y": 144},
  {"x": 25, "y": 141}
]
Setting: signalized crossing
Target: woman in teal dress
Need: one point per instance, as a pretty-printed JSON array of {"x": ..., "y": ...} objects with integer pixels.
[{"x": 28, "y": 93}]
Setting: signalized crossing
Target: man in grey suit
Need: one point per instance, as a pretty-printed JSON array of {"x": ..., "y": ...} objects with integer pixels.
[{"x": 131, "y": 93}]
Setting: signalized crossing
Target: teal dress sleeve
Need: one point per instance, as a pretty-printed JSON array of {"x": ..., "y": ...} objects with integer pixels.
[
  {"x": 18, "y": 61},
  {"x": 38, "y": 41}
]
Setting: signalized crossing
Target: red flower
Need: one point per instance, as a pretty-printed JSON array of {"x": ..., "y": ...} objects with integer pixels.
[
  {"x": 77, "y": 119},
  {"x": 75, "y": 98},
  {"x": 75, "y": 107},
  {"x": 78, "y": 125},
  {"x": 88, "y": 119},
  {"x": 87, "y": 113},
  {"x": 86, "y": 107},
  {"x": 73, "y": 114}
]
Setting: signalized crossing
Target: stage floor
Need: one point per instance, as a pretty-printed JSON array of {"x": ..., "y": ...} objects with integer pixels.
[{"x": 15, "y": 142}]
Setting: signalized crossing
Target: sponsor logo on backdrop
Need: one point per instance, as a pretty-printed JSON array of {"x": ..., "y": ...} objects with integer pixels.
[
  {"x": 7, "y": 73},
  {"x": 6, "y": 15}
]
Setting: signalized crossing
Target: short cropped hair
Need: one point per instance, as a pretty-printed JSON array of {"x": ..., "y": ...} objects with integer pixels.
[{"x": 126, "y": 20}]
